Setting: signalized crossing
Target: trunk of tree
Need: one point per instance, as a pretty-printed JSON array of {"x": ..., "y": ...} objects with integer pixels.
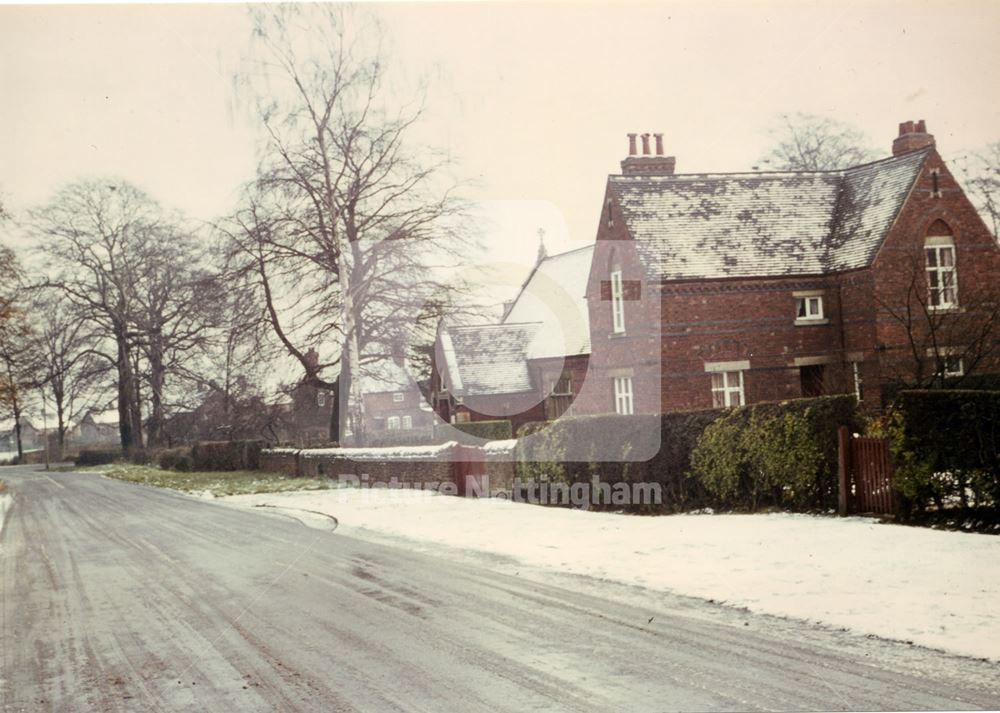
[
  {"x": 154, "y": 434},
  {"x": 335, "y": 413},
  {"x": 15, "y": 403},
  {"x": 136, "y": 402},
  {"x": 125, "y": 391}
]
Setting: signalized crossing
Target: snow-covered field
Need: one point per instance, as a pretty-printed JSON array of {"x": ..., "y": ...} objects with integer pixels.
[{"x": 935, "y": 588}]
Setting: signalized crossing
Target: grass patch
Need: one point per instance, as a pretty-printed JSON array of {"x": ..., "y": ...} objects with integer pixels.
[
  {"x": 237, "y": 482},
  {"x": 3, "y": 487}
]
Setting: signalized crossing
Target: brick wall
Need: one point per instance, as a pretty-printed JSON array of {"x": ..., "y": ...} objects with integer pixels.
[{"x": 419, "y": 466}]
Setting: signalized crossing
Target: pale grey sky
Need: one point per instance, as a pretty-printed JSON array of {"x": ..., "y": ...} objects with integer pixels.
[{"x": 532, "y": 100}]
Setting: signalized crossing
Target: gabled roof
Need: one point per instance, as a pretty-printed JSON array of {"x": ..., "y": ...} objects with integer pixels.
[
  {"x": 555, "y": 295},
  {"x": 488, "y": 359},
  {"x": 764, "y": 224}
]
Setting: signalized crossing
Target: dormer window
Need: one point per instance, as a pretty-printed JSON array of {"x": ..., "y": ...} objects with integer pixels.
[{"x": 942, "y": 276}]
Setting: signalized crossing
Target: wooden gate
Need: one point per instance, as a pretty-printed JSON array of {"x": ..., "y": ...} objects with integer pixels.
[{"x": 865, "y": 475}]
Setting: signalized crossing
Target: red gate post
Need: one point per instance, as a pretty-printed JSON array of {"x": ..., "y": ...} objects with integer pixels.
[{"x": 843, "y": 469}]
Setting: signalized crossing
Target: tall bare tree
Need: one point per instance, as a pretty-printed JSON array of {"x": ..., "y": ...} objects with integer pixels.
[
  {"x": 128, "y": 269},
  {"x": 808, "y": 142},
  {"x": 69, "y": 366},
  {"x": 981, "y": 174},
  {"x": 943, "y": 331},
  {"x": 343, "y": 226}
]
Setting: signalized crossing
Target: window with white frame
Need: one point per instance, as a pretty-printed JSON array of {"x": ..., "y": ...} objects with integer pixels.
[
  {"x": 808, "y": 308},
  {"x": 321, "y": 398},
  {"x": 947, "y": 361},
  {"x": 407, "y": 423},
  {"x": 727, "y": 389},
  {"x": 617, "y": 302},
  {"x": 392, "y": 423},
  {"x": 623, "y": 395},
  {"x": 398, "y": 396},
  {"x": 563, "y": 385},
  {"x": 942, "y": 277}
]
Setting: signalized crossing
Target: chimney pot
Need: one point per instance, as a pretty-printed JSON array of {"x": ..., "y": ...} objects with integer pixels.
[
  {"x": 631, "y": 144},
  {"x": 645, "y": 144},
  {"x": 659, "y": 144},
  {"x": 912, "y": 136}
]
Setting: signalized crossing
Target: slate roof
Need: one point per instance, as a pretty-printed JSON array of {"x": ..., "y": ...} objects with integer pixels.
[
  {"x": 555, "y": 295},
  {"x": 488, "y": 359},
  {"x": 764, "y": 224}
]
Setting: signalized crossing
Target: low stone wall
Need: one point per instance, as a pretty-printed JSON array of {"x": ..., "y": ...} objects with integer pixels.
[
  {"x": 281, "y": 460},
  {"x": 448, "y": 467}
]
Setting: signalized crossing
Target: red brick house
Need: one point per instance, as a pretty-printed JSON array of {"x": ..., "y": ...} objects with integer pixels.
[
  {"x": 530, "y": 366},
  {"x": 724, "y": 289},
  {"x": 393, "y": 401}
]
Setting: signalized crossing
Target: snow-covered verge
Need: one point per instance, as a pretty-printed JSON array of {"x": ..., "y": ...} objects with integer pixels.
[
  {"x": 5, "y": 502},
  {"x": 934, "y": 588}
]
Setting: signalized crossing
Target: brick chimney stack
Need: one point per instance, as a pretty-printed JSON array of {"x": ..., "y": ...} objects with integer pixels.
[
  {"x": 912, "y": 136},
  {"x": 647, "y": 164}
]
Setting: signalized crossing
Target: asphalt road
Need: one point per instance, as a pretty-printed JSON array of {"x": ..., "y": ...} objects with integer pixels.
[{"x": 118, "y": 597}]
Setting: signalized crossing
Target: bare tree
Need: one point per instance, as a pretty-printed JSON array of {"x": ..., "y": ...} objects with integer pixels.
[
  {"x": 69, "y": 367},
  {"x": 981, "y": 174},
  {"x": 808, "y": 142},
  {"x": 943, "y": 332},
  {"x": 343, "y": 226},
  {"x": 130, "y": 272},
  {"x": 177, "y": 303}
]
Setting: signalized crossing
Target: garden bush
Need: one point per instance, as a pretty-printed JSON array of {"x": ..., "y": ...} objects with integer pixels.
[
  {"x": 775, "y": 454},
  {"x": 178, "y": 459}
]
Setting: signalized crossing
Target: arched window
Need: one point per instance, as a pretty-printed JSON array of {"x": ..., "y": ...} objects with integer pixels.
[{"x": 942, "y": 275}]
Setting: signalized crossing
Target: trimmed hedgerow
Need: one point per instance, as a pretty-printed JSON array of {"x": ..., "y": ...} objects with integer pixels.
[
  {"x": 97, "y": 457},
  {"x": 946, "y": 446},
  {"x": 782, "y": 454},
  {"x": 178, "y": 459},
  {"x": 226, "y": 455},
  {"x": 775, "y": 454},
  {"x": 587, "y": 448},
  {"x": 497, "y": 430}
]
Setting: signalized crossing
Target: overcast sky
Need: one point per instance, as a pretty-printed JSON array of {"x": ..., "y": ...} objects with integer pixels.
[{"x": 532, "y": 100}]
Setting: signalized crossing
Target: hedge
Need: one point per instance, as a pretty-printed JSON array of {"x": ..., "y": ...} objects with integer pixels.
[
  {"x": 607, "y": 443},
  {"x": 97, "y": 457},
  {"x": 946, "y": 444},
  {"x": 226, "y": 455},
  {"x": 768, "y": 454},
  {"x": 178, "y": 459},
  {"x": 499, "y": 430},
  {"x": 775, "y": 454}
]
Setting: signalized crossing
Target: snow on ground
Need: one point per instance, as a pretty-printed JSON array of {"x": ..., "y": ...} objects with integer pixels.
[
  {"x": 935, "y": 588},
  {"x": 5, "y": 502}
]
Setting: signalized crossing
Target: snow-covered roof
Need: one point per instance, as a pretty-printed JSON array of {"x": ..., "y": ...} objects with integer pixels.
[
  {"x": 764, "y": 224},
  {"x": 489, "y": 358},
  {"x": 554, "y": 295},
  {"x": 383, "y": 376}
]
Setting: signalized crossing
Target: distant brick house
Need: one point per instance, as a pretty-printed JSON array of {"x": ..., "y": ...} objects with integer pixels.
[
  {"x": 530, "y": 366},
  {"x": 725, "y": 289},
  {"x": 392, "y": 398}
]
